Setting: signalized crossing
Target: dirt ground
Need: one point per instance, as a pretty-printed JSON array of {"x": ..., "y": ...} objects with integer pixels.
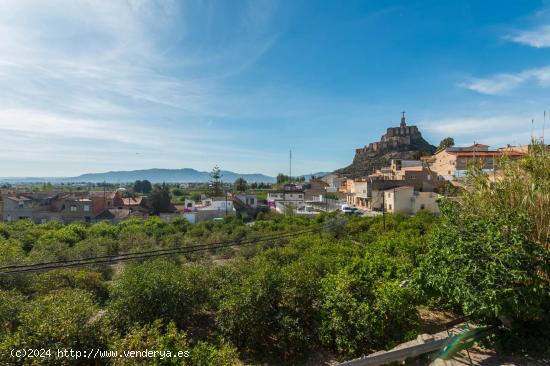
[{"x": 484, "y": 357}]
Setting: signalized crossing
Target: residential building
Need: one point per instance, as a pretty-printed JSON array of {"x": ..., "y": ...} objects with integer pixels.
[
  {"x": 17, "y": 207},
  {"x": 73, "y": 208},
  {"x": 103, "y": 200},
  {"x": 138, "y": 203},
  {"x": 116, "y": 215},
  {"x": 247, "y": 199},
  {"x": 295, "y": 197},
  {"x": 334, "y": 181},
  {"x": 406, "y": 200},
  {"x": 218, "y": 204},
  {"x": 453, "y": 162},
  {"x": 346, "y": 186},
  {"x": 315, "y": 190}
]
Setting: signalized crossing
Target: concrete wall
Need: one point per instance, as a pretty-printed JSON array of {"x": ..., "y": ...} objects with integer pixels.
[
  {"x": 399, "y": 200},
  {"x": 425, "y": 201}
]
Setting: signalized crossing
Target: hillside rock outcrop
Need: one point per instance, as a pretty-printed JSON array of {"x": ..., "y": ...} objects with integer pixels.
[{"x": 403, "y": 142}]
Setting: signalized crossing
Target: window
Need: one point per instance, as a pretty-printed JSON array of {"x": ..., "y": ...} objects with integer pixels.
[
  {"x": 43, "y": 220},
  {"x": 389, "y": 206},
  {"x": 109, "y": 203},
  {"x": 20, "y": 205},
  {"x": 86, "y": 208},
  {"x": 73, "y": 208},
  {"x": 422, "y": 206},
  {"x": 88, "y": 218}
]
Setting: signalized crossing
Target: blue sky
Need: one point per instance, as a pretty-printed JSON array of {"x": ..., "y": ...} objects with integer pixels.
[{"x": 92, "y": 86}]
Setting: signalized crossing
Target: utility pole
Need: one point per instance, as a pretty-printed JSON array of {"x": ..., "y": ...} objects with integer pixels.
[
  {"x": 384, "y": 208},
  {"x": 226, "y": 203},
  {"x": 290, "y": 167}
]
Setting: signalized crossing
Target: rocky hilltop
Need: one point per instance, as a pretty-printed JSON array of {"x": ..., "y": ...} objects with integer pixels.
[{"x": 403, "y": 142}]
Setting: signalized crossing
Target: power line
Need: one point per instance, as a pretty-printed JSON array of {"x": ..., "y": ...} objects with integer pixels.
[
  {"x": 44, "y": 266},
  {"x": 267, "y": 237},
  {"x": 155, "y": 251}
]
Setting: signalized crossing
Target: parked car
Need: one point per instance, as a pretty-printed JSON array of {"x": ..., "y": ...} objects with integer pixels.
[{"x": 351, "y": 210}]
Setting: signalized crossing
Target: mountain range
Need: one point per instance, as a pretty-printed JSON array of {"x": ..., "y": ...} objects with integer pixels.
[{"x": 185, "y": 175}]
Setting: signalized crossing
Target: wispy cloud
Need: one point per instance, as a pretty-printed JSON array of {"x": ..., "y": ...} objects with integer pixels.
[
  {"x": 503, "y": 83},
  {"x": 538, "y": 37},
  {"x": 78, "y": 77},
  {"x": 496, "y": 130}
]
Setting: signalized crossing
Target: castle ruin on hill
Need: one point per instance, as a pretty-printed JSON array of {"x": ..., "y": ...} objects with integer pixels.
[{"x": 403, "y": 142}]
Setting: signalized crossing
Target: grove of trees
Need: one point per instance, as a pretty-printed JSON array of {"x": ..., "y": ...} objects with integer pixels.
[{"x": 348, "y": 287}]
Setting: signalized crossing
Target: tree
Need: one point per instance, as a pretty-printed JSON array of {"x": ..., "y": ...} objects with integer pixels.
[
  {"x": 11, "y": 303},
  {"x": 156, "y": 337},
  {"x": 282, "y": 179},
  {"x": 445, "y": 143},
  {"x": 61, "y": 319},
  {"x": 157, "y": 289},
  {"x": 363, "y": 307},
  {"x": 142, "y": 186},
  {"x": 146, "y": 186},
  {"x": 196, "y": 196},
  {"x": 216, "y": 181},
  {"x": 160, "y": 198},
  {"x": 178, "y": 192},
  {"x": 137, "y": 186},
  {"x": 489, "y": 255},
  {"x": 240, "y": 184}
]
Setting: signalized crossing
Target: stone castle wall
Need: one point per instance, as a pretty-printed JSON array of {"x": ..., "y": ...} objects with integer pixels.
[{"x": 394, "y": 137}]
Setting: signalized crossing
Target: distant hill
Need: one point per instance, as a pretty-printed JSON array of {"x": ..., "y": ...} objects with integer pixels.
[
  {"x": 185, "y": 175},
  {"x": 316, "y": 175}
]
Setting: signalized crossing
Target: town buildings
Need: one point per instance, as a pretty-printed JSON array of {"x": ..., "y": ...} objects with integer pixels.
[
  {"x": 368, "y": 192},
  {"x": 41, "y": 207},
  {"x": 453, "y": 162}
]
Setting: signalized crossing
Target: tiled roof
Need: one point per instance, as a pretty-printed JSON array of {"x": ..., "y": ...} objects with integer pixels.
[
  {"x": 487, "y": 153},
  {"x": 18, "y": 199},
  {"x": 109, "y": 195},
  {"x": 133, "y": 201}
]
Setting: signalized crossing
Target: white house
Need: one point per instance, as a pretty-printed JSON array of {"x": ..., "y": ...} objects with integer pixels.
[
  {"x": 248, "y": 199},
  {"x": 285, "y": 197},
  {"x": 408, "y": 201},
  {"x": 218, "y": 204}
]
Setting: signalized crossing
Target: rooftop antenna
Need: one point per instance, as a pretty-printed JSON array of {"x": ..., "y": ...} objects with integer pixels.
[{"x": 532, "y": 128}]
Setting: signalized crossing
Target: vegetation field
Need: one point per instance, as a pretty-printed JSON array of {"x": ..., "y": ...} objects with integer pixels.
[{"x": 338, "y": 286}]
